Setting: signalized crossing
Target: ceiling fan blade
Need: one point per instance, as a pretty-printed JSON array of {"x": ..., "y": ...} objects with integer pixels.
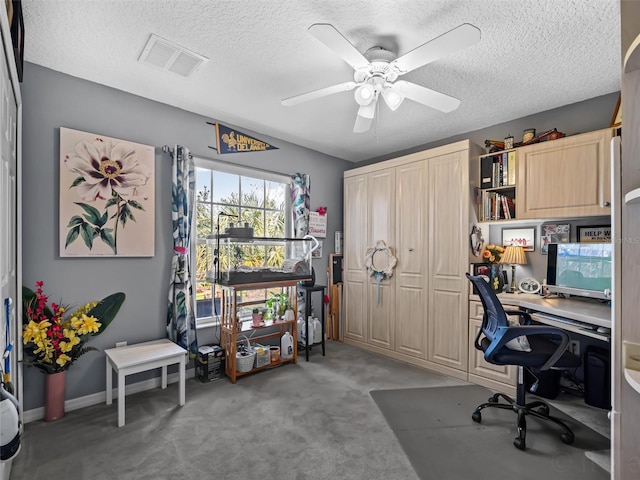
[
  {"x": 426, "y": 96},
  {"x": 322, "y": 92},
  {"x": 333, "y": 39},
  {"x": 460, "y": 37}
]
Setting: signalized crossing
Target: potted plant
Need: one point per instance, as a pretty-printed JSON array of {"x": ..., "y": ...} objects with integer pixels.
[
  {"x": 256, "y": 317},
  {"x": 54, "y": 338}
]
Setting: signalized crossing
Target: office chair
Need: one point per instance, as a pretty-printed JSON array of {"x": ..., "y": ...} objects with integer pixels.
[{"x": 547, "y": 349}]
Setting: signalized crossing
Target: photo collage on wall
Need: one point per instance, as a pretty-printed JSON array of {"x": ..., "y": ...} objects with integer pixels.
[{"x": 554, "y": 233}]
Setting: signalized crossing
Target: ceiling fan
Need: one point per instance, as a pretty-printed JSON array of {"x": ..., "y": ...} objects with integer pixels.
[{"x": 377, "y": 70}]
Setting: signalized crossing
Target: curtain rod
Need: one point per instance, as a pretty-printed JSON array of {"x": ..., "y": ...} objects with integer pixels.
[{"x": 168, "y": 149}]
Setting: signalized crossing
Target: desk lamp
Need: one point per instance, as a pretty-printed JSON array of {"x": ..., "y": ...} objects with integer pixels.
[{"x": 514, "y": 255}]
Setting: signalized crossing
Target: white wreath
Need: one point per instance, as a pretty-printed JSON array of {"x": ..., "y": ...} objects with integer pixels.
[
  {"x": 377, "y": 272},
  {"x": 387, "y": 271}
]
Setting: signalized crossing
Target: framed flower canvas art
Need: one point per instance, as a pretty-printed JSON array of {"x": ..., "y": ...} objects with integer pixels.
[{"x": 107, "y": 204}]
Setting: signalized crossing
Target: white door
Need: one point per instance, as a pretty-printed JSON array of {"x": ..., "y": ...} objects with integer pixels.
[{"x": 9, "y": 330}]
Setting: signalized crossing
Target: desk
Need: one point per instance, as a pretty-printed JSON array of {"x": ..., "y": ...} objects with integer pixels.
[
  {"x": 307, "y": 307},
  {"x": 139, "y": 358},
  {"x": 582, "y": 310}
]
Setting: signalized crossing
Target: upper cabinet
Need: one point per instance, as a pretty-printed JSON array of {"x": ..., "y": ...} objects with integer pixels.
[{"x": 568, "y": 177}]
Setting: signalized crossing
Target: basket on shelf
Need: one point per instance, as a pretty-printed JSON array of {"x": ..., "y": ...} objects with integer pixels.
[
  {"x": 262, "y": 355},
  {"x": 245, "y": 356}
]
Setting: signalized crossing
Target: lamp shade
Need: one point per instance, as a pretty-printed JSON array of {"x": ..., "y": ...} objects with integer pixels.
[{"x": 514, "y": 255}]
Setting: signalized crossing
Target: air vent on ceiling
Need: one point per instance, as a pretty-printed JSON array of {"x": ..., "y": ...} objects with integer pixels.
[{"x": 169, "y": 56}]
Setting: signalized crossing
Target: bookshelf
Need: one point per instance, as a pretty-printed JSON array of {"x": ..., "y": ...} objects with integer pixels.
[{"x": 497, "y": 181}]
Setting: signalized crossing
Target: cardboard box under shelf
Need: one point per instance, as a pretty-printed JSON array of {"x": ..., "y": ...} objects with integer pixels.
[{"x": 210, "y": 363}]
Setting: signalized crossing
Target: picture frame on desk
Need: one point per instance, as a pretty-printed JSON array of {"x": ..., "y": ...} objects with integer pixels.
[
  {"x": 594, "y": 233},
  {"x": 493, "y": 271}
]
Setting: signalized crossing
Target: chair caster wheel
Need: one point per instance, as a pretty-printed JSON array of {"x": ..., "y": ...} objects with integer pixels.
[
  {"x": 567, "y": 438},
  {"x": 493, "y": 399},
  {"x": 476, "y": 417},
  {"x": 519, "y": 443},
  {"x": 544, "y": 410}
]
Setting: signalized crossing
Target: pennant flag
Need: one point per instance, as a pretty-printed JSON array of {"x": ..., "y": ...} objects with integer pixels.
[{"x": 232, "y": 141}]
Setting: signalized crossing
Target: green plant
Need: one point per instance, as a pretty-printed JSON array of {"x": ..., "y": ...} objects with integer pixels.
[{"x": 282, "y": 302}]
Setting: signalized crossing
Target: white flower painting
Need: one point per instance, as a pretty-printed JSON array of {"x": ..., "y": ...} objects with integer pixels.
[{"x": 106, "y": 196}]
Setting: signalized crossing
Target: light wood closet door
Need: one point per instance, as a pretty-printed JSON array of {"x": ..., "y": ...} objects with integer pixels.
[
  {"x": 411, "y": 282},
  {"x": 381, "y": 299},
  {"x": 448, "y": 190},
  {"x": 355, "y": 240},
  {"x": 569, "y": 177}
]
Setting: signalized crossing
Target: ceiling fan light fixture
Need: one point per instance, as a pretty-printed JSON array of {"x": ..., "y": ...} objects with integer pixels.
[
  {"x": 368, "y": 111},
  {"x": 392, "y": 98},
  {"x": 364, "y": 94}
]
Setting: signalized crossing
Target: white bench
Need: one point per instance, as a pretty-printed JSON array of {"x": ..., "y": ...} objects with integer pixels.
[{"x": 140, "y": 357}]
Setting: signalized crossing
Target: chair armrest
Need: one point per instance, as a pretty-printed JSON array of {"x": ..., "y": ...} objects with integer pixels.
[
  {"x": 521, "y": 314},
  {"x": 505, "y": 334}
]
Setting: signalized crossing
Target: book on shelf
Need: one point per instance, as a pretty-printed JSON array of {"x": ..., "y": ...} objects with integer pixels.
[
  {"x": 496, "y": 206},
  {"x": 498, "y": 170},
  {"x": 511, "y": 161}
]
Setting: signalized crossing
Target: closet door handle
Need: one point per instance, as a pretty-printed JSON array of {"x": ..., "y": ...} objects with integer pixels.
[
  {"x": 410, "y": 249},
  {"x": 606, "y": 204}
]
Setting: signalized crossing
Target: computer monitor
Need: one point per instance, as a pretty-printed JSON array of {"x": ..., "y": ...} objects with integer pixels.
[{"x": 582, "y": 269}]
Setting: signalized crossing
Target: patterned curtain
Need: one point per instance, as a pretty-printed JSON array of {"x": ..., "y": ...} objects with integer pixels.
[
  {"x": 181, "y": 321},
  {"x": 301, "y": 203}
]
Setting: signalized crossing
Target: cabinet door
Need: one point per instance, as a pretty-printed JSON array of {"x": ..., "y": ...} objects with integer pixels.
[
  {"x": 477, "y": 364},
  {"x": 381, "y": 296},
  {"x": 355, "y": 242},
  {"x": 411, "y": 282},
  {"x": 448, "y": 230},
  {"x": 569, "y": 177}
]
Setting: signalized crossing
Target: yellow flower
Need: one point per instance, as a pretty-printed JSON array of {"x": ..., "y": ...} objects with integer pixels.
[
  {"x": 73, "y": 340},
  {"x": 63, "y": 359},
  {"x": 34, "y": 331},
  {"x": 88, "y": 325}
]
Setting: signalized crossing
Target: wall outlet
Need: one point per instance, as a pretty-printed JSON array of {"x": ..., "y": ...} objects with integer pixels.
[
  {"x": 574, "y": 347},
  {"x": 121, "y": 344},
  {"x": 631, "y": 355}
]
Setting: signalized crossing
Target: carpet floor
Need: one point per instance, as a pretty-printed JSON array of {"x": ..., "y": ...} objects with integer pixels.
[
  {"x": 309, "y": 421},
  {"x": 435, "y": 429}
]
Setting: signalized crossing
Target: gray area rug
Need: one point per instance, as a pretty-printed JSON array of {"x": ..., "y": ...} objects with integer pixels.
[{"x": 435, "y": 430}]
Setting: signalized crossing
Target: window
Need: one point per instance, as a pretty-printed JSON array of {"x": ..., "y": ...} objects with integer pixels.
[{"x": 225, "y": 194}]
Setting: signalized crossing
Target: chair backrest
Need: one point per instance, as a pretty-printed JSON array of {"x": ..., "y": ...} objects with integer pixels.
[{"x": 494, "y": 315}]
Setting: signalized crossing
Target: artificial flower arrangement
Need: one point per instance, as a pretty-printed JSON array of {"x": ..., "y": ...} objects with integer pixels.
[
  {"x": 493, "y": 253},
  {"x": 54, "y": 337}
]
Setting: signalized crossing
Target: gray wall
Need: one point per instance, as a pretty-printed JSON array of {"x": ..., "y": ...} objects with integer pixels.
[{"x": 52, "y": 100}]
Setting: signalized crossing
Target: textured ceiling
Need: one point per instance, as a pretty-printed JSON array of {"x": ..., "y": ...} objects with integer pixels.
[{"x": 533, "y": 56}]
